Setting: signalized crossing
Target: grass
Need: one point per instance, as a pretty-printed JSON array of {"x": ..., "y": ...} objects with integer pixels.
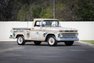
[{"x": 89, "y": 41}]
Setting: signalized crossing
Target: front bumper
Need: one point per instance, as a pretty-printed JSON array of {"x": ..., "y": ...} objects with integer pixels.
[{"x": 68, "y": 39}]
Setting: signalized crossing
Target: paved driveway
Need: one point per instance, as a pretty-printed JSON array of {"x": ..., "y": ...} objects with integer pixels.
[{"x": 10, "y": 52}]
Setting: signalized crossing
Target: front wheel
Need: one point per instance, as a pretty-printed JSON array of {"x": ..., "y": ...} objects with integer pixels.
[
  {"x": 20, "y": 40},
  {"x": 69, "y": 43},
  {"x": 52, "y": 41}
]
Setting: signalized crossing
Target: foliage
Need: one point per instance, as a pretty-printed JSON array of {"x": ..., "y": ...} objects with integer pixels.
[
  {"x": 24, "y": 10},
  {"x": 46, "y": 13},
  {"x": 86, "y": 10}
]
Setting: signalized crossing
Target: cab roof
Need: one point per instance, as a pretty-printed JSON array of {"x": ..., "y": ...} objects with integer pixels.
[{"x": 44, "y": 19}]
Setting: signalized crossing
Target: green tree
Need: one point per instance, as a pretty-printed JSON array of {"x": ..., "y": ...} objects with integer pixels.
[
  {"x": 86, "y": 10},
  {"x": 46, "y": 13}
]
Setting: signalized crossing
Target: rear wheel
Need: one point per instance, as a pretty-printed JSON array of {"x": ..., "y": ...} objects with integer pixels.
[
  {"x": 20, "y": 40},
  {"x": 69, "y": 43},
  {"x": 52, "y": 41},
  {"x": 37, "y": 42}
]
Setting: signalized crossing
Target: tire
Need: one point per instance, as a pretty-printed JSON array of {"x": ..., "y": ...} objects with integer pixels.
[
  {"x": 20, "y": 40},
  {"x": 37, "y": 42},
  {"x": 69, "y": 43},
  {"x": 51, "y": 41}
]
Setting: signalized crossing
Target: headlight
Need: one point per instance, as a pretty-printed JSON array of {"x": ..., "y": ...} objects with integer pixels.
[
  {"x": 76, "y": 34},
  {"x": 60, "y": 35}
]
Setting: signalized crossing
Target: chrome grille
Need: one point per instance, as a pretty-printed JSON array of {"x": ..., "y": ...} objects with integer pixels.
[{"x": 69, "y": 35}]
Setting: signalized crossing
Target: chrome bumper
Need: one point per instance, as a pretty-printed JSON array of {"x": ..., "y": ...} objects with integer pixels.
[{"x": 68, "y": 39}]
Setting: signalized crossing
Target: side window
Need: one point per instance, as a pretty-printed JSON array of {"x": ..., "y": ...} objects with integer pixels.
[
  {"x": 37, "y": 24},
  {"x": 43, "y": 24},
  {"x": 54, "y": 23}
]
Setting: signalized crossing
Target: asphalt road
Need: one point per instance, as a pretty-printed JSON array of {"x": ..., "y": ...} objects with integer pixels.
[{"x": 10, "y": 52}]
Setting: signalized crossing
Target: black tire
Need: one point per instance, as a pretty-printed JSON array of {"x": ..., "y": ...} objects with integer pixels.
[
  {"x": 69, "y": 43},
  {"x": 51, "y": 41},
  {"x": 20, "y": 40},
  {"x": 37, "y": 42}
]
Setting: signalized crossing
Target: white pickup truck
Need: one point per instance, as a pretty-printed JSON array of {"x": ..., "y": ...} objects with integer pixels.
[{"x": 45, "y": 30}]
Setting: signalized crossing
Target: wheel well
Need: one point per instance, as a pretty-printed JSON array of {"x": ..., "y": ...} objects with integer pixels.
[
  {"x": 49, "y": 35},
  {"x": 19, "y": 35}
]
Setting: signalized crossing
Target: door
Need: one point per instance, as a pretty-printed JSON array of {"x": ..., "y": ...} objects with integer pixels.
[
  {"x": 35, "y": 33},
  {"x": 40, "y": 34}
]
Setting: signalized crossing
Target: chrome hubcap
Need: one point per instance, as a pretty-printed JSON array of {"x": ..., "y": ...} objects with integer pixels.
[
  {"x": 20, "y": 40},
  {"x": 51, "y": 41}
]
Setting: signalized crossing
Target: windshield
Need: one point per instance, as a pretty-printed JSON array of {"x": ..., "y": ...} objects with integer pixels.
[{"x": 50, "y": 23}]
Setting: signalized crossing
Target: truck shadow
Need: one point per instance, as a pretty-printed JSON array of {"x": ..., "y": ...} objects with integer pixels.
[{"x": 46, "y": 44}]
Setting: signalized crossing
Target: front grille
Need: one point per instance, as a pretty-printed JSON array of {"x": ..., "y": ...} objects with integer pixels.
[{"x": 69, "y": 35}]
